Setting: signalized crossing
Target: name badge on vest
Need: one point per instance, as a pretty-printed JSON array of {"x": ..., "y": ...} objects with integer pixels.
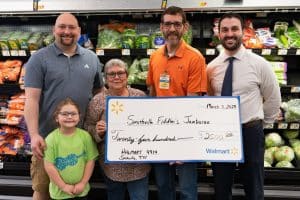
[{"x": 164, "y": 81}]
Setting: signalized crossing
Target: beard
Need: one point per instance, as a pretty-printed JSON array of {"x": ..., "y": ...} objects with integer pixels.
[
  {"x": 232, "y": 46},
  {"x": 67, "y": 40},
  {"x": 172, "y": 38}
]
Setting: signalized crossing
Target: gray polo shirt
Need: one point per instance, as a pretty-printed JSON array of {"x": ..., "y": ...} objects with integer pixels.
[{"x": 60, "y": 76}]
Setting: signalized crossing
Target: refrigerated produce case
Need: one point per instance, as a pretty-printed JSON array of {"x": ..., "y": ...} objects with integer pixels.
[{"x": 28, "y": 15}]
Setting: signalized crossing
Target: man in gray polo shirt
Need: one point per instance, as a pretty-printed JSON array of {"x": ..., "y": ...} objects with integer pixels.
[{"x": 63, "y": 69}]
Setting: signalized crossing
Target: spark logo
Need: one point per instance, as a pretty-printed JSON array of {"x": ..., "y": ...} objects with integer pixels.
[{"x": 117, "y": 107}]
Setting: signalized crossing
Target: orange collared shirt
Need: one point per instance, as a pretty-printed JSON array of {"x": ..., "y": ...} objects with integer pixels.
[{"x": 187, "y": 71}]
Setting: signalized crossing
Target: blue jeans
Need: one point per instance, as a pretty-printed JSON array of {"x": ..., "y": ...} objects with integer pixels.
[
  {"x": 165, "y": 181},
  {"x": 138, "y": 189}
]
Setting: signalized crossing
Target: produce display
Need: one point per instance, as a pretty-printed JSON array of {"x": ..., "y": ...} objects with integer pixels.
[
  {"x": 282, "y": 35},
  {"x": 282, "y": 152},
  {"x": 20, "y": 40},
  {"x": 137, "y": 72}
]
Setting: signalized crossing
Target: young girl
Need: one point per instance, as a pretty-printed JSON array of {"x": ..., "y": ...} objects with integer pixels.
[{"x": 70, "y": 154}]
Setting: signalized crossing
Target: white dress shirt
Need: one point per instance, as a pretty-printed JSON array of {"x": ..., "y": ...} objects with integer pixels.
[{"x": 253, "y": 80}]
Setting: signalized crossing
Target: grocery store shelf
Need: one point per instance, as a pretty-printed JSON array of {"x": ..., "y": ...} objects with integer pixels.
[
  {"x": 204, "y": 51},
  {"x": 20, "y": 187}
]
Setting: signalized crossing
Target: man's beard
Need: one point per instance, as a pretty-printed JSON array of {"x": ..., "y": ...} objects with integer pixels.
[
  {"x": 235, "y": 46},
  {"x": 70, "y": 38}
]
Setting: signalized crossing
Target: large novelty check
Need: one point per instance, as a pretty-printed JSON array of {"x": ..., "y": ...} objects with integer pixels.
[{"x": 188, "y": 129}]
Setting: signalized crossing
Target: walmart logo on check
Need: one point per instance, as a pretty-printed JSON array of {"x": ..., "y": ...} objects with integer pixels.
[{"x": 233, "y": 151}]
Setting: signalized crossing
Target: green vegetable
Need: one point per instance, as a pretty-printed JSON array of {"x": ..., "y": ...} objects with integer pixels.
[
  {"x": 142, "y": 41},
  {"x": 290, "y": 134},
  {"x": 297, "y": 151},
  {"x": 293, "y": 110},
  {"x": 284, "y": 164},
  {"x": 273, "y": 140},
  {"x": 284, "y": 40},
  {"x": 284, "y": 153},
  {"x": 267, "y": 164},
  {"x": 294, "y": 142},
  {"x": 128, "y": 39},
  {"x": 144, "y": 64},
  {"x": 188, "y": 36},
  {"x": 109, "y": 39}
]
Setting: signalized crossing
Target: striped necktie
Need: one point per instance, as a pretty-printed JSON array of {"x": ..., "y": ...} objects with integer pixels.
[{"x": 227, "y": 82}]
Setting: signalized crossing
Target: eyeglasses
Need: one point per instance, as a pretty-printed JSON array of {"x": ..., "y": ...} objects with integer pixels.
[
  {"x": 168, "y": 25},
  {"x": 121, "y": 74},
  {"x": 67, "y": 114}
]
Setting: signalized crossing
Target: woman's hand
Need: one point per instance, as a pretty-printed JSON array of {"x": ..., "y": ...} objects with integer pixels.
[{"x": 101, "y": 128}]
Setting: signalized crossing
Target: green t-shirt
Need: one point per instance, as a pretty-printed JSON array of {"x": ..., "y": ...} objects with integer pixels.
[{"x": 69, "y": 154}]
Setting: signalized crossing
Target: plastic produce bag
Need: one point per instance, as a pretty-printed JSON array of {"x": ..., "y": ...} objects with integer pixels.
[{"x": 293, "y": 110}]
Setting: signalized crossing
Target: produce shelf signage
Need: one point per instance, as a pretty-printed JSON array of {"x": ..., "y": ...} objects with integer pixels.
[{"x": 189, "y": 129}]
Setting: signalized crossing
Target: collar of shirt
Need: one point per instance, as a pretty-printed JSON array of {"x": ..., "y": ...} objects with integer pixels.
[
  {"x": 58, "y": 51},
  {"x": 238, "y": 55},
  {"x": 179, "y": 52}
]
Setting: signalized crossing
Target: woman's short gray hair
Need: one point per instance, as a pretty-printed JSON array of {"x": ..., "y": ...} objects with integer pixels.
[{"x": 115, "y": 62}]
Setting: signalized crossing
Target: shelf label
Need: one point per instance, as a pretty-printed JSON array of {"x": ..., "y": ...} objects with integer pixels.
[
  {"x": 269, "y": 126},
  {"x": 1, "y": 165},
  {"x": 298, "y": 52},
  {"x": 150, "y": 51},
  {"x": 282, "y": 125},
  {"x": 295, "y": 89},
  {"x": 266, "y": 52},
  {"x": 282, "y": 52},
  {"x": 125, "y": 52},
  {"x": 294, "y": 126},
  {"x": 5, "y": 53},
  {"x": 209, "y": 172},
  {"x": 100, "y": 52},
  {"x": 32, "y": 52},
  {"x": 14, "y": 53},
  {"x": 22, "y": 53},
  {"x": 210, "y": 52}
]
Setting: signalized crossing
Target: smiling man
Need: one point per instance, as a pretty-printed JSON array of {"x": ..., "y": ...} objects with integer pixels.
[
  {"x": 238, "y": 72},
  {"x": 176, "y": 69},
  {"x": 53, "y": 74}
]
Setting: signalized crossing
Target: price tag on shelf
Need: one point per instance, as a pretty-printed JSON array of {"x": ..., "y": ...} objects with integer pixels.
[
  {"x": 22, "y": 53},
  {"x": 294, "y": 126},
  {"x": 1, "y": 165},
  {"x": 5, "y": 53},
  {"x": 125, "y": 52},
  {"x": 100, "y": 52},
  {"x": 266, "y": 52},
  {"x": 14, "y": 53},
  {"x": 209, "y": 172},
  {"x": 295, "y": 89},
  {"x": 269, "y": 126},
  {"x": 210, "y": 52},
  {"x": 282, "y": 52},
  {"x": 298, "y": 52},
  {"x": 150, "y": 51},
  {"x": 282, "y": 125},
  {"x": 32, "y": 52}
]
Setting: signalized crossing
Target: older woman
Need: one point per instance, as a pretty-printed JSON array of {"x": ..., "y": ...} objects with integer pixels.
[{"x": 118, "y": 177}]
